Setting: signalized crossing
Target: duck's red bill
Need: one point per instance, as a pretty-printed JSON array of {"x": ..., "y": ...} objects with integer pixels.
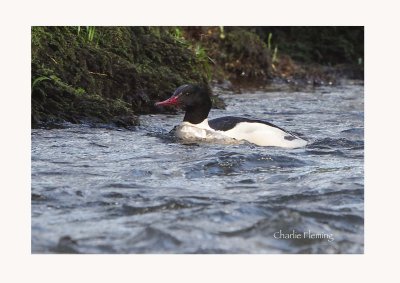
[{"x": 170, "y": 101}]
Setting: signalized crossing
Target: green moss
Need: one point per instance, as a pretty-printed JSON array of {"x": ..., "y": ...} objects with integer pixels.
[
  {"x": 105, "y": 72},
  {"x": 232, "y": 53},
  {"x": 247, "y": 56},
  {"x": 101, "y": 73}
]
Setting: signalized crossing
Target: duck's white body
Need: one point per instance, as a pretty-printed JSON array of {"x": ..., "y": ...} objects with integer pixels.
[
  {"x": 257, "y": 133},
  {"x": 196, "y": 126}
]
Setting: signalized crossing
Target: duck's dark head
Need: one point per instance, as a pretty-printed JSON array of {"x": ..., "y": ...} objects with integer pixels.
[{"x": 195, "y": 99}]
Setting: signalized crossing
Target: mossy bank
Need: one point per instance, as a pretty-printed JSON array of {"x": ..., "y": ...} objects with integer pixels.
[{"x": 113, "y": 74}]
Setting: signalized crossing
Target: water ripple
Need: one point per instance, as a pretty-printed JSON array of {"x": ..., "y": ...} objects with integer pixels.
[{"x": 100, "y": 189}]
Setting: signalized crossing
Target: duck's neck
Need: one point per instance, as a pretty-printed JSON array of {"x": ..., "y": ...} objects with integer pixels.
[{"x": 196, "y": 115}]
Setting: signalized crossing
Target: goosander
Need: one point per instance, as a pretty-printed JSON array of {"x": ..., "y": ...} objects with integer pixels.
[{"x": 195, "y": 99}]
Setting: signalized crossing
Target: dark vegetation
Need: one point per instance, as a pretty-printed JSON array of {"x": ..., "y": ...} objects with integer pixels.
[{"x": 112, "y": 74}]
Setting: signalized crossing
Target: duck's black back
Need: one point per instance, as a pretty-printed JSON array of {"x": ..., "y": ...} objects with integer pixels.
[{"x": 229, "y": 122}]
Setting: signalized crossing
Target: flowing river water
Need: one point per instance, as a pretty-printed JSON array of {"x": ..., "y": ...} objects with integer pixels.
[{"x": 109, "y": 190}]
